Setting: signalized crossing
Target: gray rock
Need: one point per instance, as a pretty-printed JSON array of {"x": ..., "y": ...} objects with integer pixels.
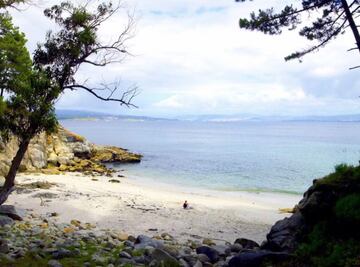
[
  {"x": 61, "y": 253},
  {"x": 210, "y": 252},
  {"x": 143, "y": 241},
  {"x": 122, "y": 261},
  {"x": 203, "y": 258},
  {"x": 128, "y": 243},
  {"x": 236, "y": 248},
  {"x": 190, "y": 259},
  {"x": 223, "y": 250},
  {"x": 256, "y": 258},
  {"x": 183, "y": 263},
  {"x": 98, "y": 259},
  {"x": 5, "y": 220},
  {"x": 283, "y": 236},
  {"x": 247, "y": 243},
  {"x": 198, "y": 264},
  {"x": 125, "y": 255},
  {"x": 141, "y": 260},
  {"x": 163, "y": 257},
  {"x": 4, "y": 247},
  {"x": 12, "y": 212},
  {"x": 54, "y": 263}
]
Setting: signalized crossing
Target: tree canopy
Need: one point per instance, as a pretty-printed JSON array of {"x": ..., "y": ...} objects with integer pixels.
[
  {"x": 33, "y": 86},
  {"x": 331, "y": 18}
]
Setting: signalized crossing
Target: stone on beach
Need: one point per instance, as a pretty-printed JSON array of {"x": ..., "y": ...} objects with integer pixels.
[{"x": 12, "y": 212}]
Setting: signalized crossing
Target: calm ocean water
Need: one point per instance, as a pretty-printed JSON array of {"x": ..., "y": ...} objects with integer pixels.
[{"x": 231, "y": 156}]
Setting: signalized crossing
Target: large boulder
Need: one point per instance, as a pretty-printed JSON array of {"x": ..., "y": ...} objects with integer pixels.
[
  {"x": 12, "y": 212},
  {"x": 257, "y": 258},
  {"x": 285, "y": 234},
  {"x": 210, "y": 252}
]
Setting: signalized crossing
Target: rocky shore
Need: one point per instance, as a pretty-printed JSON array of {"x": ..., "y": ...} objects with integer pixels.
[
  {"x": 34, "y": 240},
  {"x": 64, "y": 151}
]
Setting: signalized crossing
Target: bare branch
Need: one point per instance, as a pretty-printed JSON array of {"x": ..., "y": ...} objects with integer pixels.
[
  {"x": 356, "y": 67},
  {"x": 125, "y": 99}
]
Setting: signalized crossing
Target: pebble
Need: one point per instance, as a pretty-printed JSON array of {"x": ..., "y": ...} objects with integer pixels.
[
  {"x": 54, "y": 263},
  {"x": 28, "y": 236}
]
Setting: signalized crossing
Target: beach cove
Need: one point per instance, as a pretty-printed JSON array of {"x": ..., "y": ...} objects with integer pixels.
[{"x": 132, "y": 207}]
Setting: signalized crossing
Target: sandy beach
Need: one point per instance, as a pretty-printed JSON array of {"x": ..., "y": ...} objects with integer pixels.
[{"x": 135, "y": 207}]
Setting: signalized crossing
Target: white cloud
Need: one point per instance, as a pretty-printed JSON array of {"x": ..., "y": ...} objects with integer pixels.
[{"x": 191, "y": 53}]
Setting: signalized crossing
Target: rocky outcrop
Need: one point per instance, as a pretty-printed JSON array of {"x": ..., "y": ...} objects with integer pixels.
[{"x": 64, "y": 151}]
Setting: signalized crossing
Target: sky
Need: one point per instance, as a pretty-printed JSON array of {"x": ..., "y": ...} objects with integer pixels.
[{"x": 190, "y": 57}]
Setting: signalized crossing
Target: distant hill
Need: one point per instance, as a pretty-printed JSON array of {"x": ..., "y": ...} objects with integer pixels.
[
  {"x": 252, "y": 117},
  {"x": 81, "y": 114}
]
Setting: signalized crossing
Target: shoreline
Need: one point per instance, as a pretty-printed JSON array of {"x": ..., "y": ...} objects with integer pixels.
[{"x": 135, "y": 207}]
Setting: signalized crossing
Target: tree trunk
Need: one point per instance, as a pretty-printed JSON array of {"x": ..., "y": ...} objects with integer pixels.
[
  {"x": 352, "y": 23},
  {"x": 10, "y": 177}
]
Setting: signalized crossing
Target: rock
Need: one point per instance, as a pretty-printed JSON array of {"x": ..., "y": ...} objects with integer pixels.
[
  {"x": 54, "y": 263},
  {"x": 125, "y": 255},
  {"x": 163, "y": 258},
  {"x": 236, "y": 248},
  {"x": 61, "y": 253},
  {"x": 122, "y": 237},
  {"x": 12, "y": 212},
  {"x": 2, "y": 180},
  {"x": 183, "y": 263},
  {"x": 284, "y": 234},
  {"x": 246, "y": 243},
  {"x": 114, "y": 181},
  {"x": 63, "y": 151},
  {"x": 208, "y": 242},
  {"x": 5, "y": 220},
  {"x": 203, "y": 258},
  {"x": 4, "y": 247},
  {"x": 98, "y": 259},
  {"x": 166, "y": 236},
  {"x": 210, "y": 252},
  {"x": 111, "y": 154},
  {"x": 256, "y": 258},
  {"x": 223, "y": 250},
  {"x": 198, "y": 264},
  {"x": 142, "y": 241},
  {"x": 76, "y": 223}
]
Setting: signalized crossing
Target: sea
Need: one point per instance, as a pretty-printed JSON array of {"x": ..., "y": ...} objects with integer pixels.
[{"x": 254, "y": 156}]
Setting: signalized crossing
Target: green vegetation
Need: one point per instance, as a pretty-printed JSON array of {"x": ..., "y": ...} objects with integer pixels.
[
  {"x": 334, "y": 239},
  {"x": 81, "y": 255},
  {"x": 331, "y": 18}
]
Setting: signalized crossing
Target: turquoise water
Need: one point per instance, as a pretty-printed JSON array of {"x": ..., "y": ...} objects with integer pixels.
[{"x": 231, "y": 156}]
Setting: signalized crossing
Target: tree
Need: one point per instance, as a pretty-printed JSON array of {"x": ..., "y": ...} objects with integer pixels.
[
  {"x": 30, "y": 105},
  {"x": 15, "y": 62},
  {"x": 333, "y": 18},
  {"x": 10, "y": 3}
]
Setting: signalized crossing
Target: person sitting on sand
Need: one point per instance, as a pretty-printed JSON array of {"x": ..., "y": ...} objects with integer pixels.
[{"x": 185, "y": 205}]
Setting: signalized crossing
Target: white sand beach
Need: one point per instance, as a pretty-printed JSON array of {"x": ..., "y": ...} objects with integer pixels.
[{"x": 135, "y": 207}]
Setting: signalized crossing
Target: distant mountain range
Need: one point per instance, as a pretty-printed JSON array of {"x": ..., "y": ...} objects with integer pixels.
[{"x": 81, "y": 114}]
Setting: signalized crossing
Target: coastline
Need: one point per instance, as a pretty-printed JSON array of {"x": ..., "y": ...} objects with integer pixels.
[{"x": 135, "y": 207}]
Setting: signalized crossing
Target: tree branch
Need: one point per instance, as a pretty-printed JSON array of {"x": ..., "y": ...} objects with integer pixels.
[{"x": 125, "y": 99}]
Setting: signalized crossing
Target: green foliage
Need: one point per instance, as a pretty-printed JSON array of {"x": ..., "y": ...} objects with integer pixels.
[
  {"x": 331, "y": 19},
  {"x": 9, "y": 3},
  {"x": 15, "y": 62},
  {"x": 343, "y": 174},
  {"x": 348, "y": 208},
  {"x": 334, "y": 239}
]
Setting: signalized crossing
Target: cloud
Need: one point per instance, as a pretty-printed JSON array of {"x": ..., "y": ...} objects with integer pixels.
[{"x": 191, "y": 56}]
